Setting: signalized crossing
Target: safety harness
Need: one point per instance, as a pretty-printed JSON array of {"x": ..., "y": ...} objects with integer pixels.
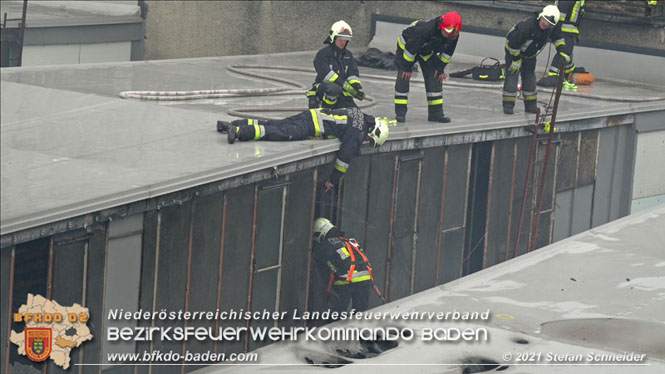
[{"x": 351, "y": 247}]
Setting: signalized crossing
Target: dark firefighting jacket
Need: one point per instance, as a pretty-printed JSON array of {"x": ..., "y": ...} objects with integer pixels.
[
  {"x": 571, "y": 15},
  {"x": 526, "y": 39},
  {"x": 337, "y": 66},
  {"x": 346, "y": 261},
  {"x": 424, "y": 39}
]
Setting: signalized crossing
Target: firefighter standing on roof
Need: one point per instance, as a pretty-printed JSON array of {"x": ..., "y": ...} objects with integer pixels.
[
  {"x": 350, "y": 125},
  {"x": 523, "y": 43},
  {"x": 335, "y": 64},
  {"x": 431, "y": 43},
  {"x": 350, "y": 272},
  {"x": 569, "y": 23}
]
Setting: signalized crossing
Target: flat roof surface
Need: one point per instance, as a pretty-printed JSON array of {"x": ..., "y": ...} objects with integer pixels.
[
  {"x": 601, "y": 292},
  {"x": 69, "y": 13},
  {"x": 71, "y": 146}
]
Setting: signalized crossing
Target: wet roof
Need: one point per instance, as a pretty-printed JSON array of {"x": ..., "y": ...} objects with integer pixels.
[
  {"x": 561, "y": 308},
  {"x": 71, "y": 146}
]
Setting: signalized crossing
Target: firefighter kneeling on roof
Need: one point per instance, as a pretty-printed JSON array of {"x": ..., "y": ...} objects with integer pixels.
[{"x": 350, "y": 272}]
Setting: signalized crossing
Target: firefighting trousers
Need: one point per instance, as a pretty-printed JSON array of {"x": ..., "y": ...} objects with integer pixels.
[
  {"x": 528, "y": 74},
  {"x": 355, "y": 293},
  {"x": 567, "y": 49},
  {"x": 433, "y": 89},
  {"x": 298, "y": 127}
]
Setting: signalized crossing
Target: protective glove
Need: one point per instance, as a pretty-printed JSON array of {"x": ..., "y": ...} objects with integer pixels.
[
  {"x": 515, "y": 66},
  {"x": 360, "y": 94},
  {"x": 565, "y": 57},
  {"x": 349, "y": 88}
]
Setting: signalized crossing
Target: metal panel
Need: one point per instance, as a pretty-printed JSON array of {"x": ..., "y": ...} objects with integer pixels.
[
  {"x": 451, "y": 258},
  {"x": 264, "y": 296},
  {"x": 456, "y": 186},
  {"x": 604, "y": 176},
  {"x": 544, "y": 229},
  {"x": 400, "y": 269},
  {"x": 581, "y": 218},
  {"x": 378, "y": 218},
  {"x": 499, "y": 203},
  {"x": 477, "y": 208},
  {"x": 649, "y": 170},
  {"x": 354, "y": 204},
  {"x": 521, "y": 166},
  {"x": 31, "y": 268},
  {"x": 403, "y": 230},
  {"x": 295, "y": 254},
  {"x": 429, "y": 212},
  {"x": 204, "y": 278},
  {"x": 94, "y": 299},
  {"x": 567, "y": 168},
  {"x": 149, "y": 252},
  {"x": 586, "y": 173},
  {"x": 549, "y": 179},
  {"x": 237, "y": 252},
  {"x": 5, "y": 310},
  {"x": 123, "y": 276},
  {"x": 68, "y": 268},
  {"x": 172, "y": 276},
  {"x": 562, "y": 215},
  {"x": 621, "y": 162},
  {"x": 125, "y": 226},
  {"x": 628, "y": 170},
  {"x": 649, "y": 121},
  {"x": 269, "y": 226}
]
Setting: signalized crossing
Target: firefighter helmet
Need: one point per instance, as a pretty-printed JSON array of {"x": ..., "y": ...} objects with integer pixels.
[
  {"x": 551, "y": 14},
  {"x": 379, "y": 133},
  {"x": 451, "y": 24},
  {"x": 339, "y": 29},
  {"x": 321, "y": 228}
]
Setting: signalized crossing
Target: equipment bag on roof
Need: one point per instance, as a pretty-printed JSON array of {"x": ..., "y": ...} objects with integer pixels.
[{"x": 484, "y": 72}]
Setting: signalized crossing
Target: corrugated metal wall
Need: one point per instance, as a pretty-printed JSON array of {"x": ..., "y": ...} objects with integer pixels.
[{"x": 424, "y": 217}]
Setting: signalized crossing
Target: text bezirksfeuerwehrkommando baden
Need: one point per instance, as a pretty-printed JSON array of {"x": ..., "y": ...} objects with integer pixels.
[{"x": 241, "y": 314}]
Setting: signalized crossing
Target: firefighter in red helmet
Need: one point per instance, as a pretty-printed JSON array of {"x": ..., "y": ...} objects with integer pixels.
[{"x": 431, "y": 43}]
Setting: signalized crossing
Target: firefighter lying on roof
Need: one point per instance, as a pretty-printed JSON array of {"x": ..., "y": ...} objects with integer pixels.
[{"x": 350, "y": 125}]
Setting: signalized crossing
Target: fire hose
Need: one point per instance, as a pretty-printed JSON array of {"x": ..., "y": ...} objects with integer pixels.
[{"x": 291, "y": 87}]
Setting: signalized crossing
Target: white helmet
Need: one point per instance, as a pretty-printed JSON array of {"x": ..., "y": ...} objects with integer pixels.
[
  {"x": 339, "y": 29},
  {"x": 379, "y": 132},
  {"x": 551, "y": 14},
  {"x": 321, "y": 228}
]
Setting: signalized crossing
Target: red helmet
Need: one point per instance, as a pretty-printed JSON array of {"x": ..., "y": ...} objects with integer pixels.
[{"x": 451, "y": 24}]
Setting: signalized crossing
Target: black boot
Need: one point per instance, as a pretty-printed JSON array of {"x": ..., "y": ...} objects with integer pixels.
[
  {"x": 435, "y": 114},
  {"x": 508, "y": 108},
  {"x": 438, "y": 118},
  {"x": 400, "y": 118},
  {"x": 531, "y": 106},
  {"x": 223, "y": 126},
  {"x": 233, "y": 135}
]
